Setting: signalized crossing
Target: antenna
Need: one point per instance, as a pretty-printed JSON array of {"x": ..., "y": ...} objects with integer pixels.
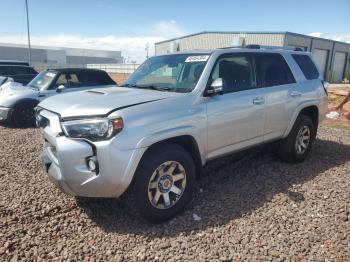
[{"x": 29, "y": 52}]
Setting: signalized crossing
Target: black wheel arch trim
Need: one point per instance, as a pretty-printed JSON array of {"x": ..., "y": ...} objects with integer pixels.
[{"x": 26, "y": 101}]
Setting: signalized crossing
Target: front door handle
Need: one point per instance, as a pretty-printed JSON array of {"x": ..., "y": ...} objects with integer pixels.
[
  {"x": 295, "y": 94},
  {"x": 258, "y": 100}
]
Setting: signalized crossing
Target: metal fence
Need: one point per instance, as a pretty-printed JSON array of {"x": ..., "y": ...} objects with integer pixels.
[
  {"x": 44, "y": 66},
  {"x": 109, "y": 68},
  {"x": 115, "y": 68}
]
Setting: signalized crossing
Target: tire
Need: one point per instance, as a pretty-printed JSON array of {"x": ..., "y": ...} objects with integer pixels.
[
  {"x": 24, "y": 115},
  {"x": 290, "y": 149},
  {"x": 148, "y": 182}
]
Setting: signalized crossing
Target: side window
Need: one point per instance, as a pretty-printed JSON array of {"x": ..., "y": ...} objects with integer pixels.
[
  {"x": 61, "y": 80},
  {"x": 237, "y": 71},
  {"x": 273, "y": 70},
  {"x": 88, "y": 78},
  {"x": 73, "y": 81},
  {"x": 307, "y": 66}
]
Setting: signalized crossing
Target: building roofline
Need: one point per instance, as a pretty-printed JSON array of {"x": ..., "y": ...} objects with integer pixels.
[
  {"x": 318, "y": 38},
  {"x": 56, "y": 48},
  {"x": 252, "y": 32},
  {"x": 222, "y": 32}
]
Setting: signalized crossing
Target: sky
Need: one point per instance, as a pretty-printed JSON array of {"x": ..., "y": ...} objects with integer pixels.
[{"x": 128, "y": 25}]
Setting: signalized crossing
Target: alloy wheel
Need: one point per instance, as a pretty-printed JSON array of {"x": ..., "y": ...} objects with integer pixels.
[
  {"x": 303, "y": 140},
  {"x": 167, "y": 184}
]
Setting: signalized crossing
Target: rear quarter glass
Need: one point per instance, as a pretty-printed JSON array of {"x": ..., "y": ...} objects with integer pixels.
[{"x": 307, "y": 66}]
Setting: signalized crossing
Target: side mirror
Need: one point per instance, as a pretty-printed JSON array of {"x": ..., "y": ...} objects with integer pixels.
[
  {"x": 60, "y": 88},
  {"x": 217, "y": 87}
]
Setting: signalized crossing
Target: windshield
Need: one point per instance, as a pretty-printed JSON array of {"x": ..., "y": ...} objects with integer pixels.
[
  {"x": 42, "y": 81},
  {"x": 177, "y": 73}
]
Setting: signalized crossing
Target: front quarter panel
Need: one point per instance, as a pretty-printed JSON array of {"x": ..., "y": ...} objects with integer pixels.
[
  {"x": 147, "y": 124},
  {"x": 12, "y": 99}
]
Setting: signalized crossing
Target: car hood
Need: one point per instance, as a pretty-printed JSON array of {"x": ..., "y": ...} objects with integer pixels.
[
  {"x": 12, "y": 90},
  {"x": 101, "y": 101}
]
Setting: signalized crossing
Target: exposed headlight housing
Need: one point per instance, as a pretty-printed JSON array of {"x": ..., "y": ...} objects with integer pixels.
[{"x": 96, "y": 129}]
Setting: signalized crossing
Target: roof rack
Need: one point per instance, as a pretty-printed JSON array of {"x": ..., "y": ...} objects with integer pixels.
[
  {"x": 229, "y": 47},
  {"x": 256, "y": 46}
]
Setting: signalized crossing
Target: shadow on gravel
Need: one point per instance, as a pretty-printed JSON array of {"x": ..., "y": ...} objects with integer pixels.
[{"x": 230, "y": 187}]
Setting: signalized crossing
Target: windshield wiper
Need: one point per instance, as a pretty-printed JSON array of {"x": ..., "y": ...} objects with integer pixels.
[{"x": 148, "y": 87}]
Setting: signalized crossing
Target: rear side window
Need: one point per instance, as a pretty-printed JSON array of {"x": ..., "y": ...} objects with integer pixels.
[
  {"x": 95, "y": 78},
  {"x": 273, "y": 70},
  {"x": 307, "y": 66}
]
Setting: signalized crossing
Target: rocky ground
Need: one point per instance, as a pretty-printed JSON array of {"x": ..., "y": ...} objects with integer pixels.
[{"x": 248, "y": 206}]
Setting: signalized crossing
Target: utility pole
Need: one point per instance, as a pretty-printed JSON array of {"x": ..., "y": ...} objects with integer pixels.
[
  {"x": 29, "y": 53},
  {"x": 147, "y": 48}
]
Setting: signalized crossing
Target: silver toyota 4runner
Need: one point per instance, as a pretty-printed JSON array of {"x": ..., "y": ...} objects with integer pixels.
[{"x": 148, "y": 140}]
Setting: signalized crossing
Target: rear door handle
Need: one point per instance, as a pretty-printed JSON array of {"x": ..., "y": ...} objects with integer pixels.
[
  {"x": 258, "y": 100},
  {"x": 295, "y": 94}
]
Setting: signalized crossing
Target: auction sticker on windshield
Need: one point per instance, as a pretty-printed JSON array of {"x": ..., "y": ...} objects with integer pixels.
[
  {"x": 197, "y": 58},
  {"x": 49, "y": 74}
]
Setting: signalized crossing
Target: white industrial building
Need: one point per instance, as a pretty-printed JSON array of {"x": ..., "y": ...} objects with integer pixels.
[
  {"x": 332, "y": 57},
  {"x": 60, "y": 56}
]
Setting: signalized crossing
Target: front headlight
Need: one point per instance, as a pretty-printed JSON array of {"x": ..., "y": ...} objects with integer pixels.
[{"x": 96, "y": 129}]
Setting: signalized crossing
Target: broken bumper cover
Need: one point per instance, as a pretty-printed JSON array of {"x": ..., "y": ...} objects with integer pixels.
[
  {"x": 65, "y": 161},
  {"x": 66, "y": 165}
]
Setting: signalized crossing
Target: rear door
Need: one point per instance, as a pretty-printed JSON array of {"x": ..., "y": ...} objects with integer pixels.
[
  {"x": 236, "y": 118},
  {"x": 282, "y": 93}
]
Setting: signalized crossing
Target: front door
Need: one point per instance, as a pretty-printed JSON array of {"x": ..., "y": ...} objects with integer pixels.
[{"x": 235, "y": 118}]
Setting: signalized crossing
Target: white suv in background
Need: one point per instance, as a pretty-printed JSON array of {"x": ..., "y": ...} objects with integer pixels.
[{"x": 148, "y": 139}]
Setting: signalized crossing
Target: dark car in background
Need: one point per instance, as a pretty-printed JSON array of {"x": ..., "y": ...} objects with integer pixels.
[
  {"x": 17, "y": 102},
  {"x": 19, "y": 71}
]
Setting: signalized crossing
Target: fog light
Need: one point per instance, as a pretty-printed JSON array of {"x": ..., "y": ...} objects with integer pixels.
[{"x": 92, "y": 164}]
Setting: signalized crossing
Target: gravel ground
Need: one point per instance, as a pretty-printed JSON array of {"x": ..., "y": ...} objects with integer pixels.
[{"x": 249, "y": 206}]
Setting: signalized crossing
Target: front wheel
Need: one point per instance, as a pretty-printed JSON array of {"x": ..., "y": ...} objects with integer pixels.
[
  {"x": 163, "y": 184},
  {"x": 297, "y": 145},
  {"x": 23, "y": 115}
]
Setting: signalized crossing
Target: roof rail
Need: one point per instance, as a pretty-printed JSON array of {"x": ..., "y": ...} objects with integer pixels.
[
  {"x": 229, "y": 47},
  {"x": 254, "y": 46}
]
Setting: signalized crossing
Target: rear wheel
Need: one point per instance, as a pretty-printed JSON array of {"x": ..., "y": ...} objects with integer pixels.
[
  {"x": 297, "y": 145},
  {"x": 23, "y": 115},
  {"x": 163, "y": 184}
]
